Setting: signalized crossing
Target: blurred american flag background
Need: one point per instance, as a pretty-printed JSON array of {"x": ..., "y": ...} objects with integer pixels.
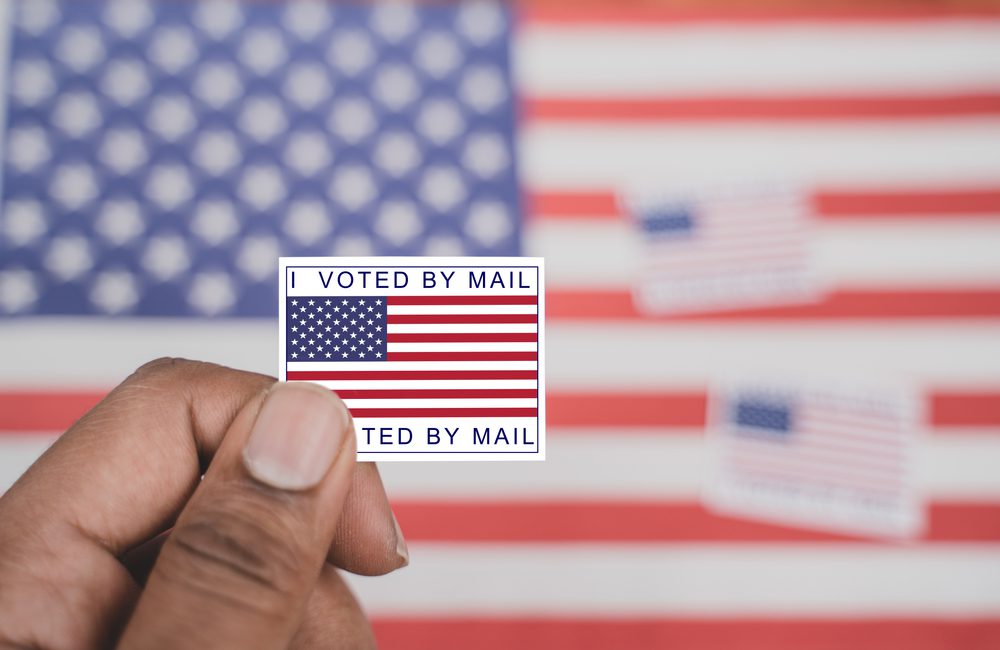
[{"x": 159, "y": 156}]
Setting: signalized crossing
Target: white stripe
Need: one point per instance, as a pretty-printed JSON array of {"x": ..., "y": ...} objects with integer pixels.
[
  {"x": 462, "y": 309},
  {"x": 38, "y": 353},
  {"x": 391, "y": 384},
  {"x": 450, "y": 403},
  {"x": 710, "y": 579},
  {"x": 721, "y": 59},
  {"x": 955, "y": 250},
  {"x": 386, "y": 366},
  {"x": 619, "y": 464},
  {"x": 463, "y": 347},
  {"x": 475, "y": 328},
  {"x": 831, "y": 153}
]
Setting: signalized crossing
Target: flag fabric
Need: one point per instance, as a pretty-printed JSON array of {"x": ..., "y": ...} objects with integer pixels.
[{"x": 891, "y": 117}]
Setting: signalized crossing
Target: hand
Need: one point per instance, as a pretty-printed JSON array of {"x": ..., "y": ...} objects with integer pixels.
[{"x": 248, "y": 560}]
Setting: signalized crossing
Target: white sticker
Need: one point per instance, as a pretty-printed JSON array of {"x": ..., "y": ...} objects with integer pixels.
[
  {"x": 437, "y": 358},
  {"x": 727, "y": 248},
  {"x": 833, "y": 456}
]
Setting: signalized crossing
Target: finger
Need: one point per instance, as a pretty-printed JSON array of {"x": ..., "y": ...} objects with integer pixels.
[
  {"x": 368, "y": 540},
  {"x": 333, "y": 618},
  {"x": 245, "y": 554},
  {"x": 118, "y": 478}
]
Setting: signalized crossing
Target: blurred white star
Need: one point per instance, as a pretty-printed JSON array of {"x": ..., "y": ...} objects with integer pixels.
[
  {"x": 123, "y": 150},
  {"x": 171, "y": 117},
  {"x": 437, "y": 54},
  {"x": 211, "y": 292},
  {"x": 398, "y": 222},
  {"x": 352, "y": 245},
  {"x": 80, "y": 48},
  {"x": 489, "y": 222},
  {"x": 262, "y": 118},
  {"x": 258, "y": 257},
  {"x": 352, "y": 186},
  {"x": 351, "y": 52},
  {"x": 352, "y": 119},
  {"x": 68, "y": 257},
  {"x": 18, "y": 290},
  {"x": 483, "y": 87},
  {"x": 307, "y": 152},
  {"x": 395, "y": 86},
  {"x": 32, "y": 81},
  {"x": 307, "y": 222},
  {"x": 218, "y": 18},
  {"x": 73, "y": 185},
  {"x": 125, "y": 81},
  {"x": 215, "y": 221},
  {"x": 166, "y": 257},
  {"x": 442, "y": 188},
  {"x": 217, "y": 84},
  {"x": 128, "y": 18},
  {"x": 307, "y": 18},
  {"x": 441, "y": 245},
  {"x": 27, "y": 148},
  {"x": 23, "y": 222},
  {"x": 169, "y": 186},
  {"x": 76, "y": 114},
  {"x": 114, "y": 291},
  {"x": 37, "y": 16},
  {"x": 486, "y": 154},
  {"x": 216, "y": 152},
  {"x": 440, "y": 120},
  {"x": 120, "y": 221},
  {"x": 262, "y": 50},
  {"x": 262, "y": 186},
  {"x": 397, "y": 153},
  {"x": 306, "y": 85},
  {"x": 480, "y": 21},
  {"x": 394, "y": 20},
  {"x": 173, "y": 49}
]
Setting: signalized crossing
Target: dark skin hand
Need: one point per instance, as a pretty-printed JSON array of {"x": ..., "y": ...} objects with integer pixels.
[{"x": 113, "y": 539}]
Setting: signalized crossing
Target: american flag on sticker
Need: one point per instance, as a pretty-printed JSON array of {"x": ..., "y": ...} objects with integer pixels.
[
  {"x": 822, "y": 456},
  {"x": 437, "y": 358},
  {"x": 723, "y": 248}
]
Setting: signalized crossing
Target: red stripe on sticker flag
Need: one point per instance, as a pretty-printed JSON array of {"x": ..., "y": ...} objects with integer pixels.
[{"x": 462, "y": 300}]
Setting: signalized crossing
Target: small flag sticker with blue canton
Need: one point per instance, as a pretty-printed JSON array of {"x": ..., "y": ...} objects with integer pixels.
[{"x": 436, "y": 358}]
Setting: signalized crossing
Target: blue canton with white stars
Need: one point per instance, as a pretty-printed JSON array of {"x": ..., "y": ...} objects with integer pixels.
[
  {"x": 160, "y": 156},
  {"x": 346, "y": 328}
]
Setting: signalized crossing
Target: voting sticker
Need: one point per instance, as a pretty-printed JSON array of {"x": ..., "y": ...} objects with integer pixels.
[
  {"x": 832, "y": 456},
  {"x": 437, "y": 358}
]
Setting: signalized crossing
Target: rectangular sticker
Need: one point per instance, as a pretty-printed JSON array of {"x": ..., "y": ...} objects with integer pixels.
[
  {"x": 437, "y": 358},
  {"x": 830, "y": 456}
]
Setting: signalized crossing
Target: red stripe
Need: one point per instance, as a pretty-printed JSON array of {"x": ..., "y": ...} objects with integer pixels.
[
  {"x": 589, "y": 632},
  {"x": 463, "y": 337},
  {"x": 400, "y": 319},
  {"x": 49, "y": 411},
  {"x": 335, "y": 375},
  {"x": 442, "y": 393},
  {"x": 758, "y": 108},
  {"x": 604, "y": 14},
  {"x": 462, "y": 356},
  {"x": 446, "y": 413},
  {"x": 838, "y": 305},
  {"x": 647, "y": 521},
  {"x": 462, "y": 300},
  {"x": 830, "y": 203}
]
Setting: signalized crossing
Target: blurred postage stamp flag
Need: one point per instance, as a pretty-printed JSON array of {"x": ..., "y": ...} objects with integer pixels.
[
  {"x": 832, "y": 456},
  {"x": 437, "y": 358}
]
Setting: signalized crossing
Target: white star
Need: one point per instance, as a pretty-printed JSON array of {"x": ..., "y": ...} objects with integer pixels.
[
  {"x": 397, "y": 222},
  {"x": 327, "y": 303},
  {"x": 352, "y": 186},
  {"x": 73, "y": 185},
  {"x": 306, "y": 85},
  {"x": 440, "y": 120},
  {"x": 394, "y": 20},
  {"x": 171, "y": 117},
  {"x": 395, "y": 86},
  {"x": 327, "y": 355},
  {"x": 217, "y": 18},
  {"x": 114, "y": 291},
  {"x": 216, "y": 152},
  {"x": 307, "y": 18},
  {"x": 483, "y": 88},
  {"x": 295, "y": 355},
  {"x": 396, "y": 153},
  {"x": 258, "y": 256},
  {"x": 351, "y": 52},
  {"x": 23, "y": 222},
  {"x": 378, "y": 302},
  {"x": 120, "y": 221},
  {"x": 166, "y": 257},
  {"x": 262, "y": 186},
  {"x": 344, "y": 355},
  {"x": 444, "y": 246},
  {"x": 486, "y": 154},
  {"x": 37, "y": 16},
  {"x": 263, "y": 118},
  {"x": 308, "y": 152},
  {"x": 169, "y": 186},
  {"x": 27, "y": 148},
  {"x": 311, "y": 355},
  {"x": 489, "y": 222},
  {"x": 312, "y": 302},
  {"x": 69, "y": 257},
  {"x": 352, "y": 119},
  {"x": 218, "y": 84},
  {"x": 378, "y": 354},
  {"x": 18, "y": 290},
  {"x": 438, "y": 54},
  {"x": 32, "y": 81},
  {"x": 442, "y": 188},
  {"x": 262, "y": 50},
  {"x": 307, "y": 222},
  {"x": 361, "y": 355},
  {"x": 173, "y": 49},
  {"x": 295, "y": 302},
  {"x": 123, "y": 150},
  {"x": 480, "y": 21},
  {"x": 80, "y": 48},
  {"x": 211, "y": 292},
  {"x": 128, "y": 17},
  {"x": 125, "y": 81},
  {"x": 215, "y": 221}
]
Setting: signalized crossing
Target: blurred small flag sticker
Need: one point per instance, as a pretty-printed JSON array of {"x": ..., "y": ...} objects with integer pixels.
[
  {"x": 723, "y": 248},
  {"x": 437, "y": 358},
  {"x": 828, "y": 456}
]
